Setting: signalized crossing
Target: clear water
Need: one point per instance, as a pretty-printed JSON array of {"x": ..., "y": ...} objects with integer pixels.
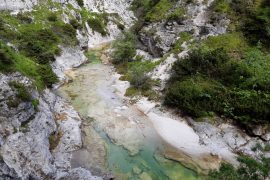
[
  {"x": 121, "y": 162},
  {"x": 148, "y": 163}
]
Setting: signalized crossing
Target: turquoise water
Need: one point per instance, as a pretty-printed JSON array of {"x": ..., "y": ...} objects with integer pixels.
[
  {"x": 84, "y": 94},
  {"x": 125, "y": 166}
]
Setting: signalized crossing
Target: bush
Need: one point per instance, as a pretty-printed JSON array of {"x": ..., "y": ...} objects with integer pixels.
[
  {"x": 159, "y": 11},
  {"x": 80, "y": 3},
  {"x": 52, "y": 17},
  {"x": 75, "y": 24},
  {"x": 124, "y": 49},
  {"x": 5, "y": 58},
  {"x": 22, "y": 92},
  {"x": 249, "y": 169},
  {"x": 41, "y": 44},
  {"x": 97, "y": 24},
  {"x": 200, "y": 61},
  {"x": 66, "y": 33},
  {"x": 177, "y": 15},
  {"x": 138, "y": 78},
  {"x": 24, "y": 18},
  {"x": 208, "y": 80},
  {"x": 47, "y": 75},
  {"x": 196, "y": 96},
  {"x": 250, "y": 106}
]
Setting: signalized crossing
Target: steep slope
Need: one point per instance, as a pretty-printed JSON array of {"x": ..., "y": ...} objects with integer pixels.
[
  {"x": 39, "y": 130},
  {"x": 201, "y": 58}
]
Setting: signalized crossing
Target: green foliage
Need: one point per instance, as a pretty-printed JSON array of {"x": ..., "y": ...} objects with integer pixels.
[
  {"x": 221, "y": 6},
  {"x": 177, "y": 15},
  {"x": 75, "y": 24},
  {"x": 6, "y": 60},
  {"x": 183, "y": 37},
  {"x": 35, "y": 103},
  {"x": 267, "y": 147},
  {"x": 22, "y": 92},
  {"x": 40, "y": 44},
  {"x": 197, "y": 96},
  {"x": 213, "y": 80},
  {"x": 138, "y": 78},
  {"x": 80, "y": 3},
  {"x": 24, "y": 18},
  {"x": 98, "y": 23},
  {"x": 159, "y": 12},
  {"x": 249, "y": 169},
  {"x": 37, "y": 35},
  {"x": 124, "y": 48},
  {"x": 47, "y": 75},
  {"x": 52, "y": 17},
  {"x": 66, "y": 34},
  {"x": 225, "y": 172}
]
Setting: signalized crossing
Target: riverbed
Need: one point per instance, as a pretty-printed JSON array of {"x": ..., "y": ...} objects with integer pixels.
[{"x": 117, "y": 136}]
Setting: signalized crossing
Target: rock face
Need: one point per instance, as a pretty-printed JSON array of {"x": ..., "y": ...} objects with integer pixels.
[
  {"x": 160, "y": 37},
  {"x": 70, "y": 57},
  {"x": 17, "y": 4},
  {"x": 37, "y": 142}
]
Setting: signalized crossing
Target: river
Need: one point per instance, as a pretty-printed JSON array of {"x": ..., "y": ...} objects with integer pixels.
[{"x": 117, "y": 137}]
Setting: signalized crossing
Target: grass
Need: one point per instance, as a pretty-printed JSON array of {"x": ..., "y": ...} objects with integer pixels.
[{"x": 159, "y": 12}]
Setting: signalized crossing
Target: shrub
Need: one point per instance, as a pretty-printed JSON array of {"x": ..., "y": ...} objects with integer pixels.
[
  {"x": 22, "y": 92},
  {"x": 6, "y": 59},
  {"x": 196, "y": 96},
  {"x": 80, "y": 3},
  {"x": 138, "y": 78},
  {"x": 66, "y": 33},
  {"x": 75, "y": 24},
  {"x": 177, "y": 15},
  {"x": 249, "y": 169},
  {"x": 159, "y": 11},
  {"x": 40, "y": 44},
  {"x": 124, "y": 49},
  {"x": 250, "y": 106},
  {"x": 24, "y": 18},
  {"x": 52, "y": 17},
  {"x": 224, "y": 86},
  {"x": 200, "y": 61},
  {"x": 97, "y": 24},
  {"x": 2, "y": 24},
  {"x": 47, "y": 75}
]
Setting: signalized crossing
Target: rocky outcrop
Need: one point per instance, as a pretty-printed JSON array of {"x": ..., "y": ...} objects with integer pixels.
[
  {"x": 160, "y": 37},
  {"x": 70, "y": 57},
  {"x": 37, "y": 142},
  {"x": 17, "y": 4}
]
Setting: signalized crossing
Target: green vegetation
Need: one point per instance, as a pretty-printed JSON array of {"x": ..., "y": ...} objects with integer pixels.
[
  {"x": 22, "y": 92},
  {"x": 54, "y": 139},
  {"x": 80, "y": 3},
  {"x": 159, "y": 11},
  {"x": 124, "y": 49},
  {"x": 37, "y": 35},
  {"x": 39, "y": 44},
  {"x": 216, "y": 80},
  {"x": 227, "y": 74},
  {"x": 134, "y": 69},
  {"x": 98, "y": 24},
  {"x": 249, "y": 169},
  {"x": 177, "y": 15}
]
